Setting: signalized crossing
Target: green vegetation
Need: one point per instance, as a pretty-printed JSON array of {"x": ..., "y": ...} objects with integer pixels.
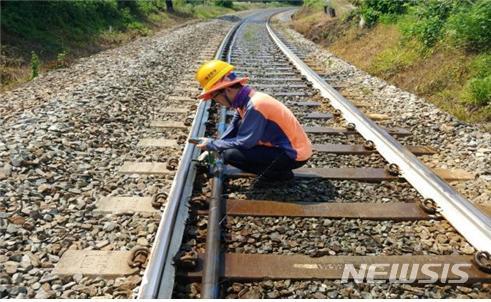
[
  {"x": 59, "y": 31},
  {"x": 61, "y": 59},
  {"x": 477, "y": 91},
  {"x": 319, "y": 4},
  {"x": 394, "y": 59},
  {"x": 55, "y": 25},
  {"x": 465, "y": 23},
  {"x": 224, "y": 3},
  {"x": 439, "y": 49},
  {"x": 427, "y": 21},
  {"x": 204, "y": 9},
  {"x": 34, "y": 65},
  {"x": 471, "y": 26},
  {"x": 373, "y": 10}
]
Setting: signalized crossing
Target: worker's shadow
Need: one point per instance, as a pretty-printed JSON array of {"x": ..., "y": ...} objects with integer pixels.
[{"x": 300, "y": 190}]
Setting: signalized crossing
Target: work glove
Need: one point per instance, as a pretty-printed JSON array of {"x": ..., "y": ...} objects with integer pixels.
[{"x": 204, "y": 143}]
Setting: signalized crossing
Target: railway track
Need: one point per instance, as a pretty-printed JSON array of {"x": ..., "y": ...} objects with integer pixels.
[
  {"x": 362, "y": 199},
  {"x": 360, "y": 188}
]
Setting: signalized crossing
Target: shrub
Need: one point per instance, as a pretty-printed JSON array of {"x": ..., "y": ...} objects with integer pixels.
[
  {"x": 132, "y": 6},
  {"x": 224, "y": 3},
  {"x": 139, "y": 27},
  {"x": 429, "y": 18},
  {"x": 61, "y": 59},
  {"x": 481, "y": 66},
  {"x": 472, "y": 27},
  {"x": 386, "y": 6},
  {"x": 372, "y": 10},
  {"x": 371, "y": 16},
  {"x": 34, "y": 65},
  {"x": 478, "y": 91},
  {"x": 429, "y": 30}
]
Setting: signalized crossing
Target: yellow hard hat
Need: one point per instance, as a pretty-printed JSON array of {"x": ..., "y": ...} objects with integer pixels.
[{"x": 216, "y": 75}]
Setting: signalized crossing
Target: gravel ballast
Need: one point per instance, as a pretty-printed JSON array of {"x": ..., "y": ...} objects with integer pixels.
[{"x": 64, "y": 135}]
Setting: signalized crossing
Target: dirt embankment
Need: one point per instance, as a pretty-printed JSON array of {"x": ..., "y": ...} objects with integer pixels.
[{"x": 439, "y": 74}]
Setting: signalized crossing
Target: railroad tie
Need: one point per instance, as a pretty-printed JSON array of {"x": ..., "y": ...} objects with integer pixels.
[
  {"x": 340, "y": 131},
  {"x": 291, "y": 94},
  {"x": 378, "y": 116},
  {"x": 310, "y": 116},
  {"x": 124, "y": 204},
  {"x": 285, "y": 86},
  {"x": 361, "y": 105},
  {"x": 276, "y": 65},
  {"x": 273, "y": 74},
  {"x": 108, "y": 264},
  {"x": 157, "y": 143},
  {"x": 271, "y": 80},
  {"x": 304, "y": 104},
  {"x": 183, "y": 98},
  {"x": 359, "y": 174},
  {"x": 318, "y": 116},
  {"x": 397, "y": 211},
  {"x": 173, "y": 110},
  {"x": 190, "y": 83},
  {"x": 145, "y": 168},
  {"x": 362, "y": 150},
  {"x": 248, "y": 267},
  {"x": 187, "y": 90},
  {"x": 168, "y": 124}
]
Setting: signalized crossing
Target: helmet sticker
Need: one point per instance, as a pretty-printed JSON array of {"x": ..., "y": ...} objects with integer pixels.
[{"x": 210, "y": 75}]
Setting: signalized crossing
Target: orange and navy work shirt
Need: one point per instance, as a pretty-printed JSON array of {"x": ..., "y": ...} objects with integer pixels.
[{"x": 268, "y": 122}]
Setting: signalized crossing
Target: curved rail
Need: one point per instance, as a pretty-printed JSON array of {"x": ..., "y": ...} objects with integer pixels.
[
  {"x": 465, "y": 217},
  {"x": 150, "y": 287}
]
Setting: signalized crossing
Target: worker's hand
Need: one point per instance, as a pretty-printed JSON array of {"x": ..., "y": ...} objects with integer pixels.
[{"x": 203, "y": 144}]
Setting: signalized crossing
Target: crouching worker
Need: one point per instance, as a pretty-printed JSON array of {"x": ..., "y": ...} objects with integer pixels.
[{"x": 264, "y": 136}]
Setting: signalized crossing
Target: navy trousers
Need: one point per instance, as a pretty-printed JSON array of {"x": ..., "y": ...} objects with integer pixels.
[{"x": 271, "y": 163}]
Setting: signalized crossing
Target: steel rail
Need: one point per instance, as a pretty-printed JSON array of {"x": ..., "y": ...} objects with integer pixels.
[
  {"x": 465, "y": 217},
  {"x": 210, "y": 286},
  {"x": 149, "y": 288}
]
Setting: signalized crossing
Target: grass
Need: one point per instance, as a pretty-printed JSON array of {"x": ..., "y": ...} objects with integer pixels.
[
  {"x": 203, "y": 12},
  {"x": 393, "y": 60},
  {"x": 478, "y": 92},
  {"x": 57, "y": 43},
  {"x": 453, "y": 78}
]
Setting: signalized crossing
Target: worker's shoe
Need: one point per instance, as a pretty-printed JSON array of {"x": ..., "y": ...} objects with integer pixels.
[{"x": 278, "y": 177}]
